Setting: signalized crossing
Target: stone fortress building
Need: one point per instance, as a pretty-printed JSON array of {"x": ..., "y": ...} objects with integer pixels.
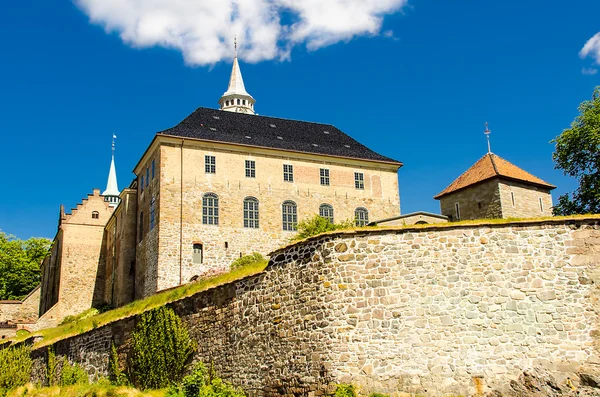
[{"x": 225, "y": 183}]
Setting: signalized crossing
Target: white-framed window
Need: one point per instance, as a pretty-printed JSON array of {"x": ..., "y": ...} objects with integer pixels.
[
  {"x": 289, "y": 213},
  {"x": 359, "y": 180},
  {"x": 541, "y": 205},
  {"x": 210, "y": 164},
  {"x": 251, "y": 212},
  {"x": 210, "y": 209},
  {"x": 324, "y": 176},
  {"x": 250, "y": 169},
  {"x": 361, "y": 216},
  {"x": 512, "y": 198},
  {"x": 457, "y": 211},
  {"x": 288, "y": 173},
  {"x": 326, "y": 211},
  {"x": 198, "y": 255}
]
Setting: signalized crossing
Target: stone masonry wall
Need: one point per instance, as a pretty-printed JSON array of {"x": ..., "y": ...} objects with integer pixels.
[
  {"x": 527, "y": 200},
  {"x": 425, "y": 310},
  {"x": 476, "y": 202},
  {"x": 224, "y": 243}
]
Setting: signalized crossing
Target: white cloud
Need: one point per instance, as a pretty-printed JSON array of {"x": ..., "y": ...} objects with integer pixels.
[
  {"x": 203, "y": 30},
  {"x": 589, "y": 71},
  {"x": 592, "y": 48}
]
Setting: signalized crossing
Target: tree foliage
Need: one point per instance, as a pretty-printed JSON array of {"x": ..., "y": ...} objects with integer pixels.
[
  {"x": 20, "y": 265},
  {"x": 578, "y": 155}
]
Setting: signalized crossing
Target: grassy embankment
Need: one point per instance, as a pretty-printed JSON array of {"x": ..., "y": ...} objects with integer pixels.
[{"x": 52, "y": 335}]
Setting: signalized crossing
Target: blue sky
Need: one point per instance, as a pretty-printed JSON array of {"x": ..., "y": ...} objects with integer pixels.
[{"x": 414, "y": 81}]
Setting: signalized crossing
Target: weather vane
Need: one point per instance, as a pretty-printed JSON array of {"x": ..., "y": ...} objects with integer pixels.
[
  {"x": 487, "y": 133},
  {"x": 235, "y": 44}
]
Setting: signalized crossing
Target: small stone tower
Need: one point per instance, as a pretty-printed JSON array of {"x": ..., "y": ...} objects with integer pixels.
[
  {"x": 496, "y": 188},
  {"x": 111, "y": 194},
  {"x": 236, "y": 99}
]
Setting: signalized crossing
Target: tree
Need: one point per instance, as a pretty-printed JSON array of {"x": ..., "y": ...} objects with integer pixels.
[
  {"x": 578, "y": 155},
  {"x": 20, "y": 265}
]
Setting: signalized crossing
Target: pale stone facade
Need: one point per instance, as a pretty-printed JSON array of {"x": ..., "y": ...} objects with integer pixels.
[
  {"x": 497, "y": 198},
  {"x": 19, "y": 314},
  {"x": 166, "y": 250},
  {"x": 73, "y": 272}
]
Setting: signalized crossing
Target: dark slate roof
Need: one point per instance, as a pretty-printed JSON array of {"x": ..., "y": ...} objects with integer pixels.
[{"x": 271, "y": 132}]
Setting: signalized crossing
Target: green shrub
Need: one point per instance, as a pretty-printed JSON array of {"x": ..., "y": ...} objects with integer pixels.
[
  {"x": 344, "y": 390},
  {"x": 317, "y": 225},
  {"x": 72, "y": 374},
  {"x": 115, "y": 375},
  {"x": 88, "y": 313},
  {"x": 15, "y": 367},
  {"x": 160, "y": 347},
  {"x": 247, "y": 260},
  {"x": 378, "y": 395},
  {"x": 204, "y": 383},
  {"x": 51, "y": 368}
]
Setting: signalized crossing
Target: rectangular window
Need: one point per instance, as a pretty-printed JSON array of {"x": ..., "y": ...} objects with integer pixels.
[
  {"x": 210, "y": 164},
  {"x": 141, "y": 226},
  {"x": 250, "y": 169},
  {"x": 457, "y": 210},
  {"x": 198, "y": 254},
  {"x": 324, "y": 174},
  {"x": 541, "y": 205},
  {"x": 359, "y": 180},
  {"x": 288, "y": 173},
  {"x": 153, "y": 169},
  {"x": 512, "y": 197},
  {"x": 152, "y": 214},
  {"x": 142, "y": 183},
  {"x": 147, "y": 176}
]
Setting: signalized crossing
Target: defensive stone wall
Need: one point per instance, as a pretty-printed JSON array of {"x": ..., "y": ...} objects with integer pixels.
[
  {"x": 432, "y": 310},
  {"x": 19, "y": 314}
]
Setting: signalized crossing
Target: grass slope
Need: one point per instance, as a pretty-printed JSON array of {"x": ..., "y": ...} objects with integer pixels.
[{"x": 52, "y": 335}]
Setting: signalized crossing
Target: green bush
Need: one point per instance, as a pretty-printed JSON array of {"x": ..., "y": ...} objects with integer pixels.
[
  {"x": 160, "y": 347},
  {"x": 344, "y": 390},
  {"x": 378, "y": 395},
  {"x": 15, "y": 367},
  {"x": 204, "y": 383},
  {"x": 72, "y": 374},
  {"x": 247, "y": 260},
  {"x": 88, "y": 313},
  {"x": 115, "y": 375},
  {"x": 317, "y": 225}
]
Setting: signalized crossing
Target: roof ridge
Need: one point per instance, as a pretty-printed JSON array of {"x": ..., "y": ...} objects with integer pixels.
[
  {"x": 493, "y": 163},
  {"x": 271, "y": 117}
]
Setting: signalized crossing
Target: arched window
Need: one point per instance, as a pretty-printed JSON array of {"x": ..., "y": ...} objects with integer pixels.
[
  {"x": 289, "y": 213},
  {"x": 326, "y": 211},
  {"x": 210, "y": 209},
  {"x": 361, "y": 216},
  {"x": 251, "y": 212},
  {"x": 95, "y": 215}
]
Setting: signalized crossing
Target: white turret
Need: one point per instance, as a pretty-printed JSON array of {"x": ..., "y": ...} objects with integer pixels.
[
  {"x": 236, "y": 99},
  {"x": 111, "y": 194}
]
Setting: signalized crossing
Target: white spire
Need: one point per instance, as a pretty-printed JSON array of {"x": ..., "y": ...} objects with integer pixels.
[
  {"x": 111, "y": 193},
  {"x": 236, "y": 98}
]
